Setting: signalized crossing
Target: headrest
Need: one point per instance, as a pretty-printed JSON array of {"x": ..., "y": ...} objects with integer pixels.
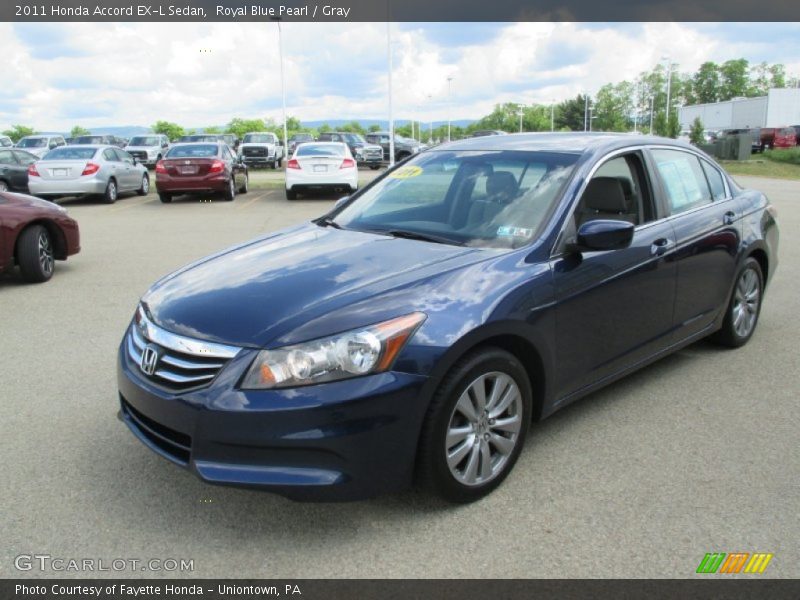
[
  {"x": 501, "y": 184},
  {"x": 605, "y": 194},
  {"x": 627, "y": 186}
]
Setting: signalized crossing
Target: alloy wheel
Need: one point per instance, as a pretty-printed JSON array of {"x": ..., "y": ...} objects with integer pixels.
[
  {"x": 484, "y": 428},
  {"x": 45, "y": 253},
  {"x": 746, "y": 302}
]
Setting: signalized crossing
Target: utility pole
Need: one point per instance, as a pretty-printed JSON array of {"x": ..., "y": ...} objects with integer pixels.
[
  {"x": 586, "y": 113},
  {"x": 449, "y": 106},
  {"x": 391, "y": 116},
  {"x": 283, "y": 92},
  {"x": 553, "y": 115},
  {"x": 651, "y": 114},
  {"x": 669, "y": 84}
]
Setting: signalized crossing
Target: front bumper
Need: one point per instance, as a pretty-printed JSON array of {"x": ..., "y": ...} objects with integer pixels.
[{"x": 345, "y": 440}]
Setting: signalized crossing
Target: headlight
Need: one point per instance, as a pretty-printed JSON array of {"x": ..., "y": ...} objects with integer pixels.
[{"x": 350, "y": 354}]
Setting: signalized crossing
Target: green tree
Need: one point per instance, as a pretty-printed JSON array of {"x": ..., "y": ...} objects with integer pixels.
[
  {"x": 374, "y": 127},
  {"x": 78, "y": 131},
  {"x": 172, "y": 130},
  {"x": 778, "y": 76},
  {"x": 734, "y": 79},
  {"x": 613, "y": 107},
  {"x": 570, "y": 114},
  {"x": 696, "y": 132},
  {"x": 705, "y": 84},
  {"x": 239, "y": 127},
  {"x": 17, "y": 132},
  {"x": 324, "y": 128},
  {"x": 212, "y": 129},
  {"x": 352, "y": 127}
]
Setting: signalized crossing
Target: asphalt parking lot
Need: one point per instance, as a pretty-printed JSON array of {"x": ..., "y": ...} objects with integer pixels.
[{"x": 697, "y": 453}]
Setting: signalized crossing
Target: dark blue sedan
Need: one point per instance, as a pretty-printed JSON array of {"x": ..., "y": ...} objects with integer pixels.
[{"x": 413, "y": 333}]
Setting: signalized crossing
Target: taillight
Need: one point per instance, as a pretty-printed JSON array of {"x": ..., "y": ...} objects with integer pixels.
[
  {"x": 90, "y": 169},
  {"x": 160, "y": 168},
  {"x": 292, "y": 164},
  {"x": 217, "y": 167},
  {"x": 348, "y": 163},
  {"x": 32, "y": 172}
]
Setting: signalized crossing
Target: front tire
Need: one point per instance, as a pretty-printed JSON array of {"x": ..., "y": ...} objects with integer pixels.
[
  {"x": 476, "y": 426},
  {"x": 291, "y": 195},
  {"x": 112, "y": 193},
  {"x": 35, "y": 254},
  {"x": 145, "y": 187},
  {"x": 741, "y": 316},
  {"x": 165, "y": 198}
]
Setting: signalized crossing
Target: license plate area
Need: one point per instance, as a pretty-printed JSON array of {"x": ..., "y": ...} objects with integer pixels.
[
  {"x": 60, "y": 172},
  {"x": 320, "y": 168},
  {"x": 190, "y": 170}
]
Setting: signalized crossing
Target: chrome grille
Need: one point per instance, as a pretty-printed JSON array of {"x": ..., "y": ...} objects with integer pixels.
[
  {"x": 177, "y": 363},
  {"x": 254, "y": 151}
]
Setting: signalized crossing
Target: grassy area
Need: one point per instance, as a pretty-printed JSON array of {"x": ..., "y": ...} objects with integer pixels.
[{"x": 762, "y": 168}]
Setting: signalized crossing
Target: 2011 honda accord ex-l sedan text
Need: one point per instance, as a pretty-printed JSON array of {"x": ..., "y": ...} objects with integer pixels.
[{"x": 412, "y": 333}]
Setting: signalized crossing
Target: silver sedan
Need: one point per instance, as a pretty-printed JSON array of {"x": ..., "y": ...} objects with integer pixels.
[{"x": 87, "y": 171}]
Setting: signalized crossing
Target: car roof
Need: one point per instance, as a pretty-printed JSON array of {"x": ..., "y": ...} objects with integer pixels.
[{"x": 570, "y": 142}]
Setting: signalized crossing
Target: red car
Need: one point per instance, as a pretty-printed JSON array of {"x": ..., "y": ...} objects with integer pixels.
[
  {"x": 778, "y": 137},
  {"x": 200, "y": 167},
  {"x": 34, "y": 234}
]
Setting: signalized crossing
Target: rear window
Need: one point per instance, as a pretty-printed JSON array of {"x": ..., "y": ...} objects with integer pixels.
[
  {"x": 70, "y": 153},
  {"x": 193, "y": 151},
  {"x": 320, "y": 150}
]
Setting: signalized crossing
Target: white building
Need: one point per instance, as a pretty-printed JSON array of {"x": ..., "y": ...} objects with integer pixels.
[{"x": 779, "y": 108}]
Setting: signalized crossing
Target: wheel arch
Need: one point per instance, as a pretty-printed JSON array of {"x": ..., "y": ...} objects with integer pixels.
[
  {"x": 763, "y": 260},
  {"x": 56, "y": 235}
]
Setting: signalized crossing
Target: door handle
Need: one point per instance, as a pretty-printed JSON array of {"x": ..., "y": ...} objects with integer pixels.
[
  {"x": 729, "y": 217},
  {"x": 660, "y": 246}
]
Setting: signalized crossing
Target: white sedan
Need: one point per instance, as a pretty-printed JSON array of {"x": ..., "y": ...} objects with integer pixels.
[{"x": 321, "y": 166}]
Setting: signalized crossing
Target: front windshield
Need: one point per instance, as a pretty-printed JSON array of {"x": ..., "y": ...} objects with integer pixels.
[
  {"x": 145, "y": 141},
  {"x": 354, "y": 138},
  {"x": 495, "y": 199},
  {"x": 88, "y": 139},
  {"x": 32, "y": 143},
  {"x": 258, "y": 138}
]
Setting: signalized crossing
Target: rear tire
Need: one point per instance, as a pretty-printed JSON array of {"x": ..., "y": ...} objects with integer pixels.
[
  {"x": 35, "y": 254},
  {"x": 230, "y": 193},
  {"x": 246, "y": 185},
  {"x": 165, "y": 198},
  {"x": 112, "y": 193},
  {"x": 744, "y": 308},
  {"x": 145, "y": 188},
  {"x": 475, "y": 427},
  {"x": 291, "y": 195}
]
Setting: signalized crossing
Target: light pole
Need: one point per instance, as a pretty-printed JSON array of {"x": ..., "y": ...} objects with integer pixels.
[
  {"x": 635, "y": 107},
  {"x": 651, "y": 114},
  {"x": 391, "y": 116},
  {"x": 283, "y": 88},
  {"x": 553, "y": 115},
  {"x": 521, "y": 114},
  {"x": 449, "y": 79},
  {"x": 430, "y": 127},
  {"x": 669, "y": 83},
  {"x": 586, "y": 113}
]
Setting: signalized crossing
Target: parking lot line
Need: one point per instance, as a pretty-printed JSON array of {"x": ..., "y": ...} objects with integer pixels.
[
  {"x": 250, "y": 201},
  {"x": 127, "y": 205}
]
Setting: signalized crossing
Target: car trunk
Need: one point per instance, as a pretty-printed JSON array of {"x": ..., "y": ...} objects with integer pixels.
[
  {"x": 320, "y": 164},
  {"x": 188, "y": 167},
  {"x": 55, "y": 170}
]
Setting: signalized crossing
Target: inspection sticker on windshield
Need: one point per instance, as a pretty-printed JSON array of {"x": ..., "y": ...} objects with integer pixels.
[
  {"x": 406, "y": 172},
  {"x": 507, "y": 231}
]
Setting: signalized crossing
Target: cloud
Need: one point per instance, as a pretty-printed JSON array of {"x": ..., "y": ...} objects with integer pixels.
[{"x": 105, "y": 74}]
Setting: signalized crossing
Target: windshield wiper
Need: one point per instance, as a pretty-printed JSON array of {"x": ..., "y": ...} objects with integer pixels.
[
  {"x": 327, "y": 221},
  {"x": 416, "y": 235}
]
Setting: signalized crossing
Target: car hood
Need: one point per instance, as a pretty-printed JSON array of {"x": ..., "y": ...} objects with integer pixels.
[{"x": 255, "y": 293}]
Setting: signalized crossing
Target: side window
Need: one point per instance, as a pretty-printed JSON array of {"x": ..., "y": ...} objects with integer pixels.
[
  {"x": 7, "y": 158},
  {"x": 124, "y": 156},
  {"x": 617, "y": 191},
  {"x": 683, "y": 178},
  {"x": 714, "y": 180},
  {"x": 109, "y": 154},
  {"x": 226, "y": 153}
]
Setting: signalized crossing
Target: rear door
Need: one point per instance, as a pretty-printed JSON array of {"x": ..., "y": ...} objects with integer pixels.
[
  {"x": 11, "y": 171},
  {"x": 707, "y": 224},
  {"x": 130, "y": 174}
]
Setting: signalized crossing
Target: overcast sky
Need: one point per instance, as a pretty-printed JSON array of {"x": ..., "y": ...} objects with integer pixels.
[{"x": 100, "y": 74}]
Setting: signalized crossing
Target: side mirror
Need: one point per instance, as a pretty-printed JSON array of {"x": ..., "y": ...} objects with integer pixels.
[
  {"x": 604, "y": 234},
  {"x": 341, "y": 201}
]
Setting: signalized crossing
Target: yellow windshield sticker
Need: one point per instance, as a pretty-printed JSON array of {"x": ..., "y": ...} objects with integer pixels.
[{"x": 406, "y": 172}]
